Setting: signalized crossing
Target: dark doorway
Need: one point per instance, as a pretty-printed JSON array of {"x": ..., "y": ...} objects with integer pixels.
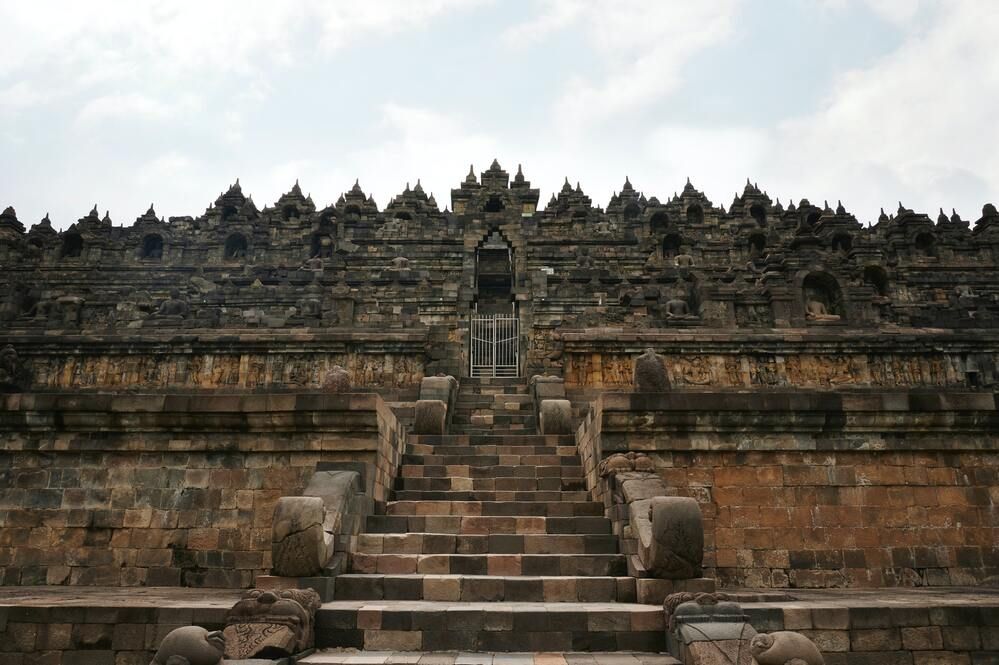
[{"x": 494, "y": 275}]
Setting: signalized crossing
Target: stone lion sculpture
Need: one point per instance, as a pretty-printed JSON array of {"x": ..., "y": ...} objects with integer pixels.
[{"x": 269, "y": 623}]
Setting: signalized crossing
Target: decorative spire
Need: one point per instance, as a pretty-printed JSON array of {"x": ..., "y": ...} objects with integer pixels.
[
  {"x": 882, "y": 217},
  {"x": 520, "y": 174},
  {"x": 627, "y": 185},
  {"x": 419, "y": 188},
  {"x": 495, "y": 166},
  {"x": 356, "y": 189},
  {"x": 942, "y": 217},
  {"x": 566, "y": 187},
  {"x": 954, "y": 217},
  {"x": 470, "y": 178},
  {"x": 296, "y": 190},
  {"x": 840, "y": 210}
]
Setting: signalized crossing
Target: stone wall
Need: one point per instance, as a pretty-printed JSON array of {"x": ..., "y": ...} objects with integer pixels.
[
  {"x": 173, "y": 489},
  {"x": 808, "y": 489},
  {"x": 888, "y": 628},
  {"x": 601, "y": 359},
  {"x": 231, "y": 360}
]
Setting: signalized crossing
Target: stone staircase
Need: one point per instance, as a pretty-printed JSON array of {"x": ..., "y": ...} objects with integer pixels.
[{"x": 491, "y": 544}]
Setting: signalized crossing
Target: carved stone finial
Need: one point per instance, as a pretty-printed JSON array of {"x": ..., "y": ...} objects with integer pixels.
[
  {"x": 337, "y": 380},
  {"x": 650, "y": 373}
]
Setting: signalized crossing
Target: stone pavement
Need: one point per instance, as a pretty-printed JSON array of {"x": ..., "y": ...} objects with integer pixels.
[{"x": 352, "y": 657}]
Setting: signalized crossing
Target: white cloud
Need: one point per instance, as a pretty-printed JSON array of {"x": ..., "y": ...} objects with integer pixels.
[
  {"x": 644, "y": 47},
  {"x": 78, "y": 46},
  {"x": 917, "y": 125},
  {"x": 133, "y": 105}
]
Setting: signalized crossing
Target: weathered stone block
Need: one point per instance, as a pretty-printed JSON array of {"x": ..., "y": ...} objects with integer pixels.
[
  {"x": 430, "y": 417},
  {"x": 670, "y": 534},
  {"x": 556, "y": 416},
  {"x": 300, "y": 547}
]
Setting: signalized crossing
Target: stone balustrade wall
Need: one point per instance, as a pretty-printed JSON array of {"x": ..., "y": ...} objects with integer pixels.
[
  {"x": 176, "y": 489},
  {"x": 813, "y": 489}
]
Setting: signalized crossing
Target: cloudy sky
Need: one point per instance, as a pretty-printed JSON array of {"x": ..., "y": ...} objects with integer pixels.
[{"x": 169, "y": 101}]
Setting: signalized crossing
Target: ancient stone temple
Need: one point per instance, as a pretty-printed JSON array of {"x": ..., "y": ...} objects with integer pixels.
[{"x": 664, "y": 426}]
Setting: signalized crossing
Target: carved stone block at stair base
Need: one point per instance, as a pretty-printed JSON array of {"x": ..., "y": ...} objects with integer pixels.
[
  {"x": 430, "y": 417},
  {"x": 670, "y": 535},
  {"x": 300, "y": 547},
  {"x": 556, "y": 416}
]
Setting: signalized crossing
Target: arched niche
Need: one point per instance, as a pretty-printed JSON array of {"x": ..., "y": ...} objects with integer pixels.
[
  {"x": 842, "y": 243},
  {"x": 321, "y": 246},
  {"x": 152, "y": 247},
  {"x": 228, "y": 212},
  {"x": 659, "y": 223},
  {"x": 631, "y": 212},
  {"x": 289, "y": 212},
  {"x": 403, "y": 215},
  {"x": 695, "y": 214},
  {"x": 672, "y": 243},
  {"x": 822, "y": 298},
  {"x": 235, "y": 247},
  {"x": 494, "y": 204},
  {"x": 72, "y": 246},
  {"x": 759, "y": 213},
  {"x": 757, "y": 245},
  {"x": 812, "y": 218},
  {"x": 926, "y": 244},
  {"x": 353, "y": 209},
  {"x": 877, "y": 278}
]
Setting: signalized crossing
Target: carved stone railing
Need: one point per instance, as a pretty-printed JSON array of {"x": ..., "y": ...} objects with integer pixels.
[{"x": 791, "y": 484}]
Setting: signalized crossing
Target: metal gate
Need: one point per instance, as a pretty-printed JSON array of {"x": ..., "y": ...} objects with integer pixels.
[{"x": 495, "y": 346}]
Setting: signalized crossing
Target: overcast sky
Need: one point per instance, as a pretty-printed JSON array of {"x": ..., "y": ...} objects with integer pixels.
[{"x": 127, "y": 103}]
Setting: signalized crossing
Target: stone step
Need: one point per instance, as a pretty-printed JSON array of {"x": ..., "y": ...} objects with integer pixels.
[
  {"x": 490, "y": 439},
  {"x": 352, "y": 657},
  {"x": 506, "y": 627},
  {"x": 446, "y": 543},
  {"x": 485, "y": 525},
  {"x": 496, "y": 471},
  {"x": 484, "y": 417},
  {"x": 507, "y": 430},
  {"x": 490, "y": 495},
  {"x": 492, "y": 390},
  {"x": 483, "y": 449},
  {"x": 505, "y": 484},
  {"x": 490, "y": 508},
  {"x": 471, "y": 459},
  {"x": 587, "y": 565},
  {"x": 493, "y": 381},
  {"x": 486, "y": 588}
]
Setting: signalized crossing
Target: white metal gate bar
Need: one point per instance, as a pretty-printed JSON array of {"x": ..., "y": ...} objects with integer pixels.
[{"x": 495, "y": 345}]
